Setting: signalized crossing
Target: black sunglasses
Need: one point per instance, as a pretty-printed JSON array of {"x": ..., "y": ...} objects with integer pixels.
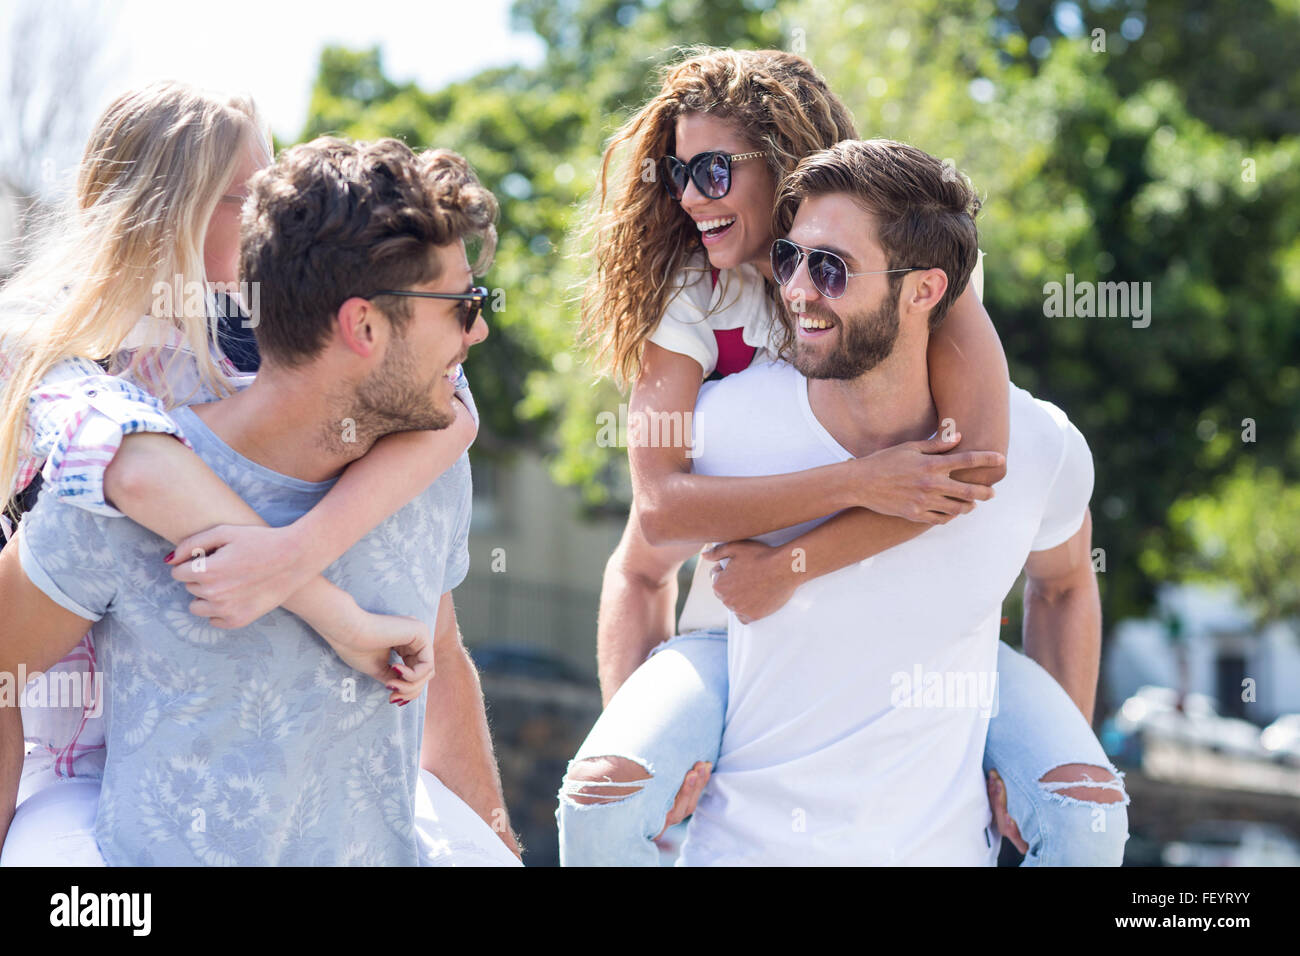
[
  {"x": 469, "y": 312},
  {"x": 710, "y": 171},
  {"x": 829, "y": 273}
]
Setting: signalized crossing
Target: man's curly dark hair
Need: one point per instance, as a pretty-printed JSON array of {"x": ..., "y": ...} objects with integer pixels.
[{"x": 333, "y": 219}]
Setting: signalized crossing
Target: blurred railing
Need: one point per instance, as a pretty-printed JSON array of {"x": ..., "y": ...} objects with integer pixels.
[{"x": 497, "y": 610}]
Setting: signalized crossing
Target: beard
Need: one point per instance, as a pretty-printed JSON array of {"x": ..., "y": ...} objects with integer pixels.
[
  {"x": 397, "y": 397},
  {"x": 866, "y": 340}
]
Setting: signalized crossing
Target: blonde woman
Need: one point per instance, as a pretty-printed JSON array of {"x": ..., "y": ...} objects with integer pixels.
[
  {"x": 680, "y": 291},
  {"x": 94, "y": 353}
]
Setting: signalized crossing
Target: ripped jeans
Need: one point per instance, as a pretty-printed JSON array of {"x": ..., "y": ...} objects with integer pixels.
[{"x": 1065, "y": 796}]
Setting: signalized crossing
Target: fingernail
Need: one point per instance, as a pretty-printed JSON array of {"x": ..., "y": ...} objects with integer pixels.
[
  {"x": 170, "y": 555},
  {"x": 391, "y": 687}
]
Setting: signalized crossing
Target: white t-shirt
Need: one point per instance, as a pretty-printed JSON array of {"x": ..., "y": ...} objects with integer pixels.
[
  {"x": 699, "y": 308},
  {"x": 823, "y": 761}
]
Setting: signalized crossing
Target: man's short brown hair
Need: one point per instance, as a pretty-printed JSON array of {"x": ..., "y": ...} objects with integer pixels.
[
  {"x": 925, "y": 211},
  {"x": 334, "y": 219}
]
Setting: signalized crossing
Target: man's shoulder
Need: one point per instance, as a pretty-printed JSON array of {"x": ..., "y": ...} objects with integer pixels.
[
  {"x": 451, "y": 493},
  {"x": 756, "y": 380},
  {"x": 455, "y": 484},
  {"x": 741, "y": 418},
  {"x": 1037, "y": 420},
  {"x": 1046, "y": 443}
]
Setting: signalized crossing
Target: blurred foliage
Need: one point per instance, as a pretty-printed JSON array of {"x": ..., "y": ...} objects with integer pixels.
[
  {"x": 1165, "y": 149},
  {"x": 1245, "y": 532}
]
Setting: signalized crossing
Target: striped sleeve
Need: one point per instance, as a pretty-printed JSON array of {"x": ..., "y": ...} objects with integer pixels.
[{"x": 78, "y": 419}]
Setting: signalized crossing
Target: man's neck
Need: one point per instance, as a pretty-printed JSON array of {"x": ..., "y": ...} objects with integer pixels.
[
  {"x": 886, "y": 406},
  {"x": 282, "y": 422}
]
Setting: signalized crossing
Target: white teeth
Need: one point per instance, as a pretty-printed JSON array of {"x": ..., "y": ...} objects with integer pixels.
[
  {"x": 708, "y": 224},
  {"x": 807, "y": 323}
]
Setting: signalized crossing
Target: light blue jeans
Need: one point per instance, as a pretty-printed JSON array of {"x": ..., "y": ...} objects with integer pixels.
[{"x": 669, "y": 715}]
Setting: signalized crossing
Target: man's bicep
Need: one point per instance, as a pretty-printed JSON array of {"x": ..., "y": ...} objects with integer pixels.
[
  {"x": 447, "y": 649},
  {"x": 1065, "y": 509},
  {"x": 1066, "y": 562},
  {"x": 445, "y": 627},
  {"x": 35, "y": 631}
]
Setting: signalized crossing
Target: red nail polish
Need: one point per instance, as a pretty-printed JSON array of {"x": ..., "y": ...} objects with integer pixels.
[
  {"x": 170, "y": 555},
  {"x": 391, "y": 687}
]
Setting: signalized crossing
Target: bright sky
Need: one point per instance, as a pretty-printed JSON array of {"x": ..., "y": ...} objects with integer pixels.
[{"x": 270, "y": 48}]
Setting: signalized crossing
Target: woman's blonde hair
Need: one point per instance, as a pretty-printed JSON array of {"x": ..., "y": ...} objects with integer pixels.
[
  {"x": 157, "y": 163},
  {"x": 639, "y": 241}
]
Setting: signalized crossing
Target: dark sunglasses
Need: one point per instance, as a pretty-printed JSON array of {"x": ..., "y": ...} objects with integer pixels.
[
  {"x": 469, "y": 312},
  {"x": 829, "y": 273},
  {"x": 710, "y": 171}
]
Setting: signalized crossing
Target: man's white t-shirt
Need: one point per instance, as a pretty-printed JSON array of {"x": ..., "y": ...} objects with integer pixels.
[{"x": 857, "y": 713}]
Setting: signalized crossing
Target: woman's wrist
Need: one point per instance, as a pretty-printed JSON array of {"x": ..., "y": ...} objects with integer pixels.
[
  {"x": 329, "y": 610},
  {"x": 309, "y": 538}
]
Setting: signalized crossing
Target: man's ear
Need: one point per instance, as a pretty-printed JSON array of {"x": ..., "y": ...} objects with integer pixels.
[
  {"x": 925, "y": 290},
  {"x": 360, "y": 326}
]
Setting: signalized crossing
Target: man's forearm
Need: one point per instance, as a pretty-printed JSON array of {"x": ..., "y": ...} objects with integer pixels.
[
  {"x": 459, "y": 753},
  {"x": 1063, "y": 633}
]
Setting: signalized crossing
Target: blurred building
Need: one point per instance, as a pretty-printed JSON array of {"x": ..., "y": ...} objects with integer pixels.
[
  {"x": 535, "y": 565},
  {"x": 1200, "y": 640}
]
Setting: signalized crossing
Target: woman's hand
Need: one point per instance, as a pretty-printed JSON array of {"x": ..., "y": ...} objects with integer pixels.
[
  {"x": 755, "y": 579},
  {"x": 240, "y": 572},
  {"x": 365, "y": 642},
  {"x": 912, "y": 480}
]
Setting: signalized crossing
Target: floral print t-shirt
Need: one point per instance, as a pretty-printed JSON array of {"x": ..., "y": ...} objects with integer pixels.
[{"x": 255, "y": 746}]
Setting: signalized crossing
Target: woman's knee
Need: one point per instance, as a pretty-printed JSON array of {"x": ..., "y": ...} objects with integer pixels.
[
  {"x": 594, "y": 781},
  {"x": 1083, "y": 812}
]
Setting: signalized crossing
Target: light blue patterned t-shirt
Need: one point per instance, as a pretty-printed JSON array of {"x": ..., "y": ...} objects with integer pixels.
[{"x": 255, "y": 746}]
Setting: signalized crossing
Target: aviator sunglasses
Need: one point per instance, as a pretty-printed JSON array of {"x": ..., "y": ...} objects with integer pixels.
[
  {"x": 710, "y": 171},
  {"x": 828, "y": 271}
]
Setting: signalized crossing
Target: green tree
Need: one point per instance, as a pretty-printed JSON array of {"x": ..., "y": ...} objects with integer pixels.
[{"x": 1243, "y": 534}]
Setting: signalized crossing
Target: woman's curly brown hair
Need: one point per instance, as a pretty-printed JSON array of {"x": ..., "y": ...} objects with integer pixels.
[
  {"x": 333, "y": 219},
  {"x": 639, "y": 241}
]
